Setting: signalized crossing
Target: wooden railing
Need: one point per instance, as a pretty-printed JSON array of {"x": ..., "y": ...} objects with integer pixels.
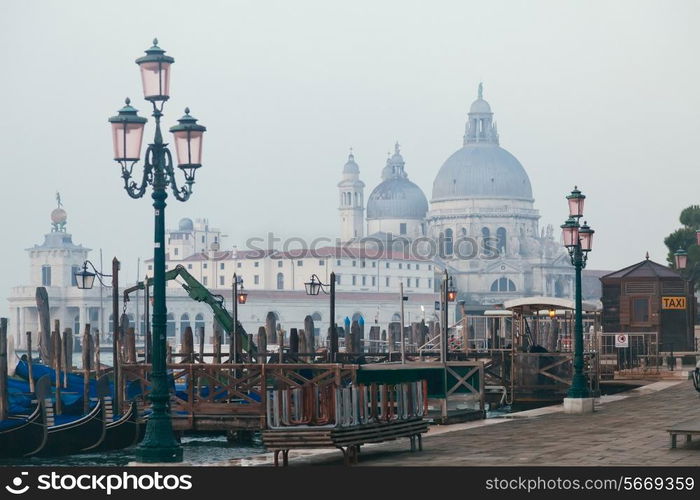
[{"x": 230, "y": 391}]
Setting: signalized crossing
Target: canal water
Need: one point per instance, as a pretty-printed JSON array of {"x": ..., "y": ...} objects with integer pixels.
[{"x": 201, "y": 449}]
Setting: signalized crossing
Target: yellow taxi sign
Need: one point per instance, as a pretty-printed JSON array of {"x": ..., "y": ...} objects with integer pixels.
[{"x": 673, "y": 303}]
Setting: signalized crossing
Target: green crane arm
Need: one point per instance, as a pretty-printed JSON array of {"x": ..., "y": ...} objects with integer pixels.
[{"x": 200, "y": 293}]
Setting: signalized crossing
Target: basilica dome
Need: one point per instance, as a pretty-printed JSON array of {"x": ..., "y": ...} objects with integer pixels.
[
  {"x": 481, "y": 168},
  {"x": 396, "y": 197},
  {"x": 482, "y": 171}
]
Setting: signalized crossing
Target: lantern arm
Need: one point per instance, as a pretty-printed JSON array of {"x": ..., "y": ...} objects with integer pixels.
[
  {"x": 181, "y": 194},
  {"x": 98, "y": 274},
  {"x": 324, "y": 286},
  {"x": 134, "y": 189}
]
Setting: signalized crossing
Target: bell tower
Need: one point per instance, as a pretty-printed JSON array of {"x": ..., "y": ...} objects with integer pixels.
[{"x": 352, "y": 203}]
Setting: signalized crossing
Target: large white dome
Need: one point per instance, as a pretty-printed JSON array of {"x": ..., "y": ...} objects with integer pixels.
[{"x": 482, "y": 171}]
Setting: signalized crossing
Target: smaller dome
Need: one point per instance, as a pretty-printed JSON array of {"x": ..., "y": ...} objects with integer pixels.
[
  {"x": 397, "y": 198},
  {"x": 186, "y": 224},
  {"x": 480, "y": 106},
  {"x": 58, "y": 216},
  {"x": 350, "y": 166}
]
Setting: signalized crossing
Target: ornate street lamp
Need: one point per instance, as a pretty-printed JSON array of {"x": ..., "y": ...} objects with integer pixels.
[
  {"x": 159, "y": 444},
  {"x": 578, "y": 240},
  {"x": 681, "y": 258},
  {"x": 313, "y": 287},
  {"x": 85, "y": 280}
]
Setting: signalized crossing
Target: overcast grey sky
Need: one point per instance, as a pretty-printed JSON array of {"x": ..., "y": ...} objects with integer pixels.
[{"x": 600, "y": 94}]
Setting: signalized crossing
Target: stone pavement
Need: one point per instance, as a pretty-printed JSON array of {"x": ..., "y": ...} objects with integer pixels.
[{"x": 627, "y": 430}]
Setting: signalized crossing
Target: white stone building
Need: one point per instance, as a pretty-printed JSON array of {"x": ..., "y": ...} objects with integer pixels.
[{"x": 481, "y": 223}]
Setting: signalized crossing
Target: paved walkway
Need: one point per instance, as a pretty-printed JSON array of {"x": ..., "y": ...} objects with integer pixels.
[{"x": 626, "y": 429}]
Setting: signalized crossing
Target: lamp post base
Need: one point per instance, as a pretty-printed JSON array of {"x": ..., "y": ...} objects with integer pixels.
[{"x": 578, "y": 406}]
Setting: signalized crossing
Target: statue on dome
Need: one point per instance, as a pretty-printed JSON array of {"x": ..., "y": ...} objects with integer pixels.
[{"x": 58, "y": 216}]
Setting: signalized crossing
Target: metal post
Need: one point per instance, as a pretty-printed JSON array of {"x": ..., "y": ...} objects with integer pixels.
[
  {"x": 147, "y": 344},
  {"x": 334, "y": 331},
  {"x": 445, "y": 329},
  {"x": 115, "y": 330},
  {"x": 234, "y": 333},
  {"x": 579, "y": 388},
  {"x": 403, "y": 335},
  {"x": 159, "y": 444}
]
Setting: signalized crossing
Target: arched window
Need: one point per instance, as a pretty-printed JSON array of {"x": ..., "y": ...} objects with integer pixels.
[
  {"x": 449, "y": 242},
  {"x": 280, "y": 281},
  {"x": 503, "y": 285},
  {"x": 441, "y": 244},
  {"x": 184, "y": 323},
  {"x": 198, "y": 323},
  {"x": 356, "y": 316},
  {"x": 396, "y": 317},
  {"x": 501, "y": 236},
  {"x": 485, "y": 232},
  {"x": 170, "y": 326},
  {"x": 76, "y": 325}
]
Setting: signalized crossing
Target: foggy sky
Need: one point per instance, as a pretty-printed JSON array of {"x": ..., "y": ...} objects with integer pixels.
[{"x": 599, "y": 94}]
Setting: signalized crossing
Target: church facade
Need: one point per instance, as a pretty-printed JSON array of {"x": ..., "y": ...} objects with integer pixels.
[{"x": 481, "y": 223}]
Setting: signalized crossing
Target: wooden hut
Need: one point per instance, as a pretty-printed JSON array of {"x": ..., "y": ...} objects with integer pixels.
[{"x": 650, "y": 297}]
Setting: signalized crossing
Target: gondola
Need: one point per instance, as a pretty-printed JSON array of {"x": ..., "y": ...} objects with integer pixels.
[
  {"x": 24, "y": 435},
  {"x": 70, "y": 435},
  {"x": 123, "y": 431}
]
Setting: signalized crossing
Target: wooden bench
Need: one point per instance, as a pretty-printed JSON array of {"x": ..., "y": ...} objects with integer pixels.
[
  {"x": 347, "y": 439},
  {"x": 687, "y": 428}
]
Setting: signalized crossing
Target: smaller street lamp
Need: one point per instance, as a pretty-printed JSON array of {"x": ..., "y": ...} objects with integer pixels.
[
  {"x": 681, "y": 258},
  {"x": 313, "y": 287},
  {"x": 242, "y": 295},
  {"x": 84, "y": 281},
  {"x": 451, "y": 292},
  {"x": 238, "y": 296}
]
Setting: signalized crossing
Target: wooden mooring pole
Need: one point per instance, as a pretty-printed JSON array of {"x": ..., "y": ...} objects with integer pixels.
[
  {"x": 57, "y": 355},
  {"x": 3, "y": 369},
  {"x": 30, "y": 371},
  {"x": 87, "y": 358}
]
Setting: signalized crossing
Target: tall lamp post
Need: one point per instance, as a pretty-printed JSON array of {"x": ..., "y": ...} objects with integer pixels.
[
  {"x": 159, "y": 444},
  {"x": 239, "y": 296},
  {"x": 578, "y": 241},
  {"x": 84, "y": 281},
  {"x": 313, "y": 287},
  {"x": 449, "y": 294}
]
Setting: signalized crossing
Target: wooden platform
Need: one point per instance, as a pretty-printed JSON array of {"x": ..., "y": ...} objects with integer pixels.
[
  {"x": 347, "y": 439},
  {"x": 687, "y": 428}
]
